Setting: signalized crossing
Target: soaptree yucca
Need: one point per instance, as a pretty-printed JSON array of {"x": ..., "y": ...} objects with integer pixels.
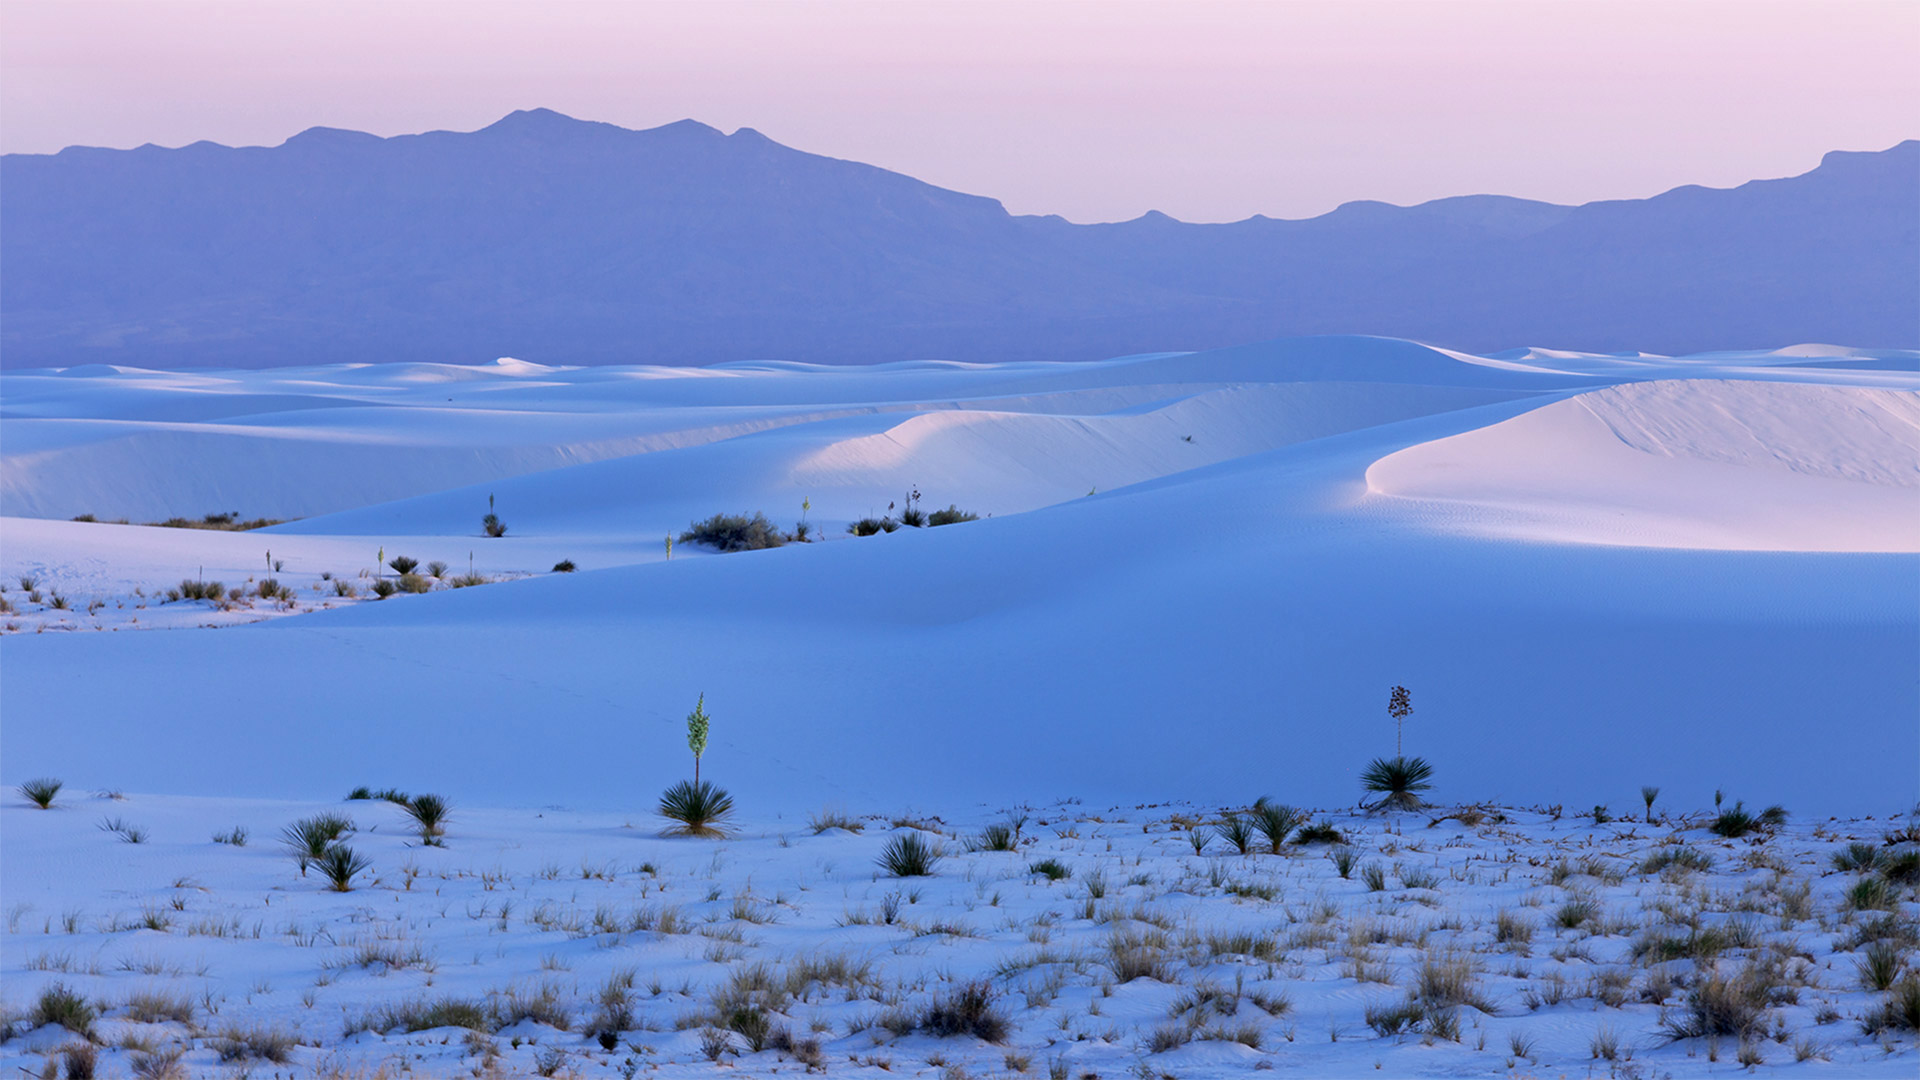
[
  {"x": 1399, "y": 780},
  {"x": 430, "y": 813},
  {"x": 697, "y": 808}
]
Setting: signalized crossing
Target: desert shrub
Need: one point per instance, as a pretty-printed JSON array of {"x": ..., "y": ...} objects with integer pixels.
[
  {"x": 1901, "y": 865},
  {"x": 1319, "y": 832},
  {"x": 85, "y": 517},
  {"x": 158, "y": 1006},
  {"x": 237, "y": 837},
  {"x": 1872, "y": 893},
  {"x": 308, "y": 839},
  {"x": 1448, "y": 981},
  {"x": 833, "y": 819},
  {"x": 1051, "y": 869},
  {"x": 1399, "y": 780},
  {"x": 383, "y": 588},
  {"x": 60, "y": 1006},
  {"x": 1859, "y": 855},
  {"x": 698, "y": 808},
  {"x": 1344, "y": 859},
  {"x": 965, "y": 1010},
  {"x": 343, "y": 587},
  {"x": 542, "y": 1005},
  {"x": 999, "y": 836},
  {"x": 1576, "y": 913},
  {"x": 1738, "y": 822},
  {"x": 436, "y": 568},
  {"x": 1684, "y": 857},
  {"x": 564, "y": 566},
  {"x": 341, "y": 864},
  {"x": 952, "y": 515},
  {"x": 58, "y": 602},
  {"x": 871, "y": 526},
  {"x": 1235, "y": 829},
  {"x": 1375, "y": 877},
  {"x": 910, "y": 854},
  {"x": 81, "y": 1059},
  {"x": 403, "y": 564},
  {"x": 1276, "y": 821},
  {"x": 199, "y": 590},
  {"x": 1899, "y": 1012},
  {"x": 1511, "y": 929},
  {"x": 734, "y": 532},
  {"x": 237, "y": 1043},
  {"x": 424, "y": 1015},
  {"x": 1879, "y": 965},
  {"x": 1724, "y": 1006},
  {"x": 465, "y": 581},
  {"x": 131, "y": 834},
  {"x": 430, "y": 813},
  {"x": 414, "y": 583},
  {"x": 493, "y": 526},
  {"x": 159, "y": 1065},
  {"x": 40, "y": 792},
  {"x": 271, "y": 589},
  {"x": 1134, "y": 955}
]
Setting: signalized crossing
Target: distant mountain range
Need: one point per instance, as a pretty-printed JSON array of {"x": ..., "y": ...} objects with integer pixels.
[{"x": 572, "y": 242}]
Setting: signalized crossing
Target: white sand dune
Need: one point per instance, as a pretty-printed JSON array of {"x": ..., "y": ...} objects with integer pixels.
[
  {"x": 1565, "y": 555},
  {"x": 1722, "y": 464}
]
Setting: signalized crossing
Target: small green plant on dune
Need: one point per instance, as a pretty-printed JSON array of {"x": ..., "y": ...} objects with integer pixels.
[
  {"x": 564, "y": 566},
  {"x": 403, "y": 564},
  {"x": 1276, "y": 821},
  {"x": 414, "y": 583},
  {"x": 734, "y": 532},
  {"x": 952, "y": 515},
  {"x": 384, "y": 587},
  {"x": 1739, "y": 821},
  {"x": 1235, "y": 829},
  {"x": 430, "y": 814},
  {"x": 341, "y": 864},
  {"x": 910, "y": 854},
  {"x": 309, "y": 839},
  {"x": 436, "y": 568},
  {"x": 872, "y": 526},
  {"x": 1647, "y": 795},
  {"x": 491, "y": 524},
  {"x": 40, "y": 792},
  {"x": 910, "y": 514}
]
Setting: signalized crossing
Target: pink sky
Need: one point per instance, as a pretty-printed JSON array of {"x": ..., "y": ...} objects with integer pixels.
[{"x": 1097, "y": 111}]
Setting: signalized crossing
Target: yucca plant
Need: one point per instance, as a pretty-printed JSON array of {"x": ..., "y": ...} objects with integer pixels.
[
  {"x": 308, "y": 839},
  {"x": 1235, "y": 829},
  {"x": 1399, "y": 780},
  {"x": 910, "y": 854},
  {"x": 430, "y": 813},
  {"x": 1276, "y": 821},
  {"x": 341, "y": 864},
  {"x": 998, "y": 836},
  {"x": 403, "y": 564},
  {"x": 697, "y": 808},
  {"x": 41, "y": 792},
  {"x": 1649, "y": 793}
]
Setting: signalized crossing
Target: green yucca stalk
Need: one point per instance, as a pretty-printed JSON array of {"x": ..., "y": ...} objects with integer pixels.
[{"x": 698, "y": 724}]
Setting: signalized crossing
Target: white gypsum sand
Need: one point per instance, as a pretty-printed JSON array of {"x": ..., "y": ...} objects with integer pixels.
[{"x": 1194, "y": 578}]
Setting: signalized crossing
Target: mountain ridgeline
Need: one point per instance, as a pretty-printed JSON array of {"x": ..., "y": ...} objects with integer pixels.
[{"x": 573, "y": 242}]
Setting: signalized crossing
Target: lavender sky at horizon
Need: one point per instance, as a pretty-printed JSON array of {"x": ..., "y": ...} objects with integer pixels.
[{"x": 1206, "y": 111}]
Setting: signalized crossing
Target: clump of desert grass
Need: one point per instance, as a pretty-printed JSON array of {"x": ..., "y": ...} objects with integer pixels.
[
  {"x": 41, "y": 792},
  {"x": 429, "y": 814},
  {"x": 910, "y": 854},
  {"x": 735, "y": 532}
]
